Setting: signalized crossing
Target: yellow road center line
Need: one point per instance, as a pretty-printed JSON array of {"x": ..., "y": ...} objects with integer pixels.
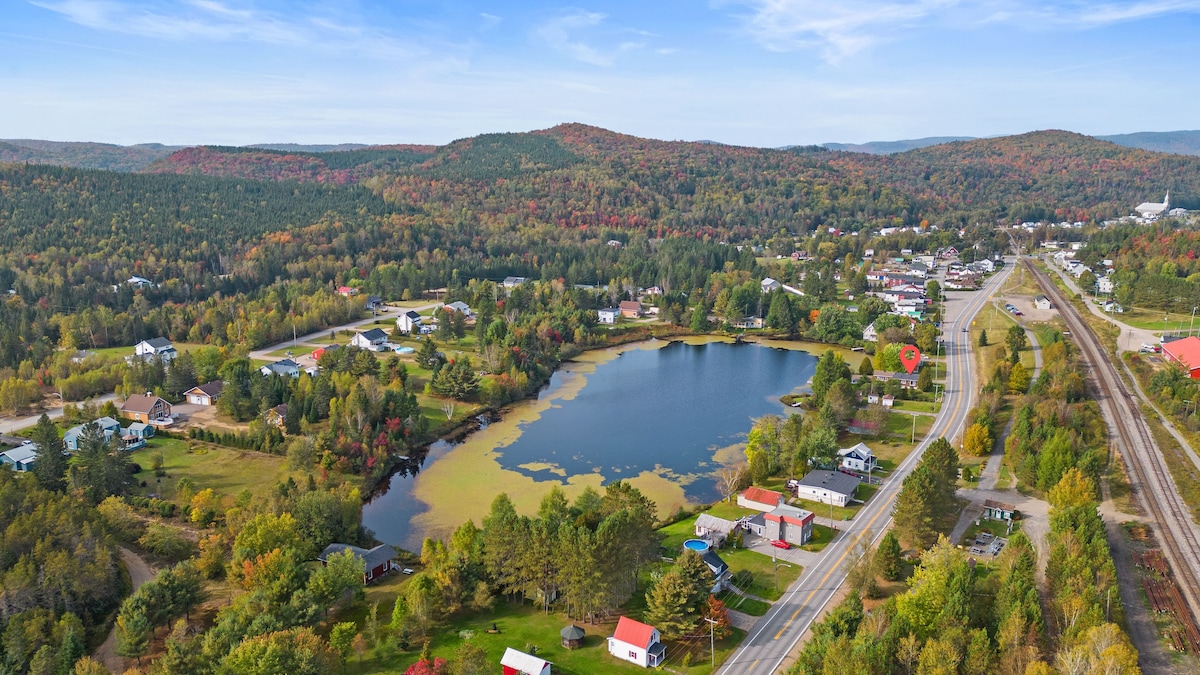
[{"x": 958, "y": 357}]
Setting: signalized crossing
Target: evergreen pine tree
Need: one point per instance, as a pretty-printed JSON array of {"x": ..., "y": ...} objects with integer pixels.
[
  {"x": 887, "y": 557},
  {"x": 50, "y": 467}
]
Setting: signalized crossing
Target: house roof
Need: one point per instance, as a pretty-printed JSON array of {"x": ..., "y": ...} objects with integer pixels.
[
  {"x": 213, "y": 388},
  {"x": 1041, "y": 298},
  {"x": 412, "y": 314},
  {"x": 634, "y": 632},
  {"x": 281, "y": 410},
  {"x": 630, "y": 304},
  {"x": 790, "y": 514},
  {"x": 762, "y": 495},
  {"x": 612, "y": 310},
  {"x": 834, "y": 481},
  {"x": 158, "y": 342},
  {"x": 861, "y": 449},
  {"x": 572, "y": 632},
  {"x": 374, "y": 300},
  {"x": 522, "y": 662},
  {"x": 21, "y": 454},
  {"x": 459, "y": 306},
  {"x": 138, "y": 426},
  {"x": 1185, "y": 351},
  {"x": 140, "y": 403},
  {"x": 993, "y": 504},
  {"x": 714, "y": 562},
  {"x": 374, "y": 334},
  {"x": 371, "y": 559},
  {"x": 710, "y": 522}
]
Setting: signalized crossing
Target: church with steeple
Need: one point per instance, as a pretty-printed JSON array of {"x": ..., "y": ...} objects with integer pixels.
[{"x": 1154, "y": 210}]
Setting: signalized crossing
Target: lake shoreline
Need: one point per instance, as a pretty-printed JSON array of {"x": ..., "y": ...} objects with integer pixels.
[{"x": 476, "y": 473}]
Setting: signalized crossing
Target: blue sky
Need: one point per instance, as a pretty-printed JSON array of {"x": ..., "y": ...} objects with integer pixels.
[{"x": 751, "y": 72}]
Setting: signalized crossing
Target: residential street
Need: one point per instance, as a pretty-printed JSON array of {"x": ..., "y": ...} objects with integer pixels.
[
  {"x": 769, "y": 645},
  {"x": 387, "y": 312},
  {"x": 10, "y": 424}
]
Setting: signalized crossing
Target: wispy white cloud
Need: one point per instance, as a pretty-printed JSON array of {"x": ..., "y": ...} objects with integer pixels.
[
  {"x": 562, "y": 34},
  {"x": 843, "y": 28},
  {"x": 218, "y": 21},
  {"x": 489, "y": 20}
]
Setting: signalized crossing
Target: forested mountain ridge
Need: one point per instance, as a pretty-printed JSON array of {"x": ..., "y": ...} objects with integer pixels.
[
  {"x": 577, "y": 175},
  {"x": 83, "y": 155},
  {"x": 256, "y": 163}
]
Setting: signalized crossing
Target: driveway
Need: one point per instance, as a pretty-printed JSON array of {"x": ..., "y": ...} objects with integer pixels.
[{"x": 139, "y": 573}]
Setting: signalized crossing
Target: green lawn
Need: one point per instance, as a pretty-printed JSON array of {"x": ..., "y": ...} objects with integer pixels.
[
  {"x": 998, "y": 528},
  {"x": 122, "y": 352},
  {"x": 225, "y": 470},
  {"x": 1149, "y": 319},
  {"x": 753, "y": 572},
  {"x": 821, "y": 537},
  {"x": 522, "y": 626},
  {"x": 918, "y": 406}
]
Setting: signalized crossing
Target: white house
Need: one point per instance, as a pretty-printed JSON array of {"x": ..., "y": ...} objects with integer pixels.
[
  {"x": 769, "y": 285},
  {"x": 608, "y": 315},
  {"x": 858, "y": 458},
  {"x": 827, "y": 487},
  {"x": 373, "y": 339},
  {"x": 139, "y": 282},
  {"x": 284, "y": 368},
  {"x": 460, "y": 307},
  {"x": 1104, "y": 285},
  {"x": 519, "y": 663},
  {"x": 637, "y": 642},
  {"x": 1042, "y": 302},
  {"x": 408, "y": 322},
  {"x": 205, "y": 394},
  {"x": 869, "y": 334},
  {"x": 512, "y": 282},
  {"x": 713, "y": 529},
  {"x": 159, "y": 346}
]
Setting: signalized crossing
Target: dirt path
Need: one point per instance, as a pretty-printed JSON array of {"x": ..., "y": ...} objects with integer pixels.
[{"x": 139, "y": 573}]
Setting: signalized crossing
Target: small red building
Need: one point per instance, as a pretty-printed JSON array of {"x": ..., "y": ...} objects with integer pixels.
[{"x": 376, "y": 562}]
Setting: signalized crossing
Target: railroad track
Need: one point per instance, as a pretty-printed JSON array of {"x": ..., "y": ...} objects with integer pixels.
[{"x": 1147, "y": 468}]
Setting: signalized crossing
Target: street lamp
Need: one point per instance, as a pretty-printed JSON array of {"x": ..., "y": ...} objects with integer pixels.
[
  {"x": 1193, "y": 321},
  {"x": 777, "y": 565}
]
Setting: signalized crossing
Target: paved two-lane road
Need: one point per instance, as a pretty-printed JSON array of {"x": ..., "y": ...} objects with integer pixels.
[{"x": 776, "y": 634}]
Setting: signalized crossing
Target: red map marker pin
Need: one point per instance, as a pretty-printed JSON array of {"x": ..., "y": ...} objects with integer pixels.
[{"x": 910, "y": 356}]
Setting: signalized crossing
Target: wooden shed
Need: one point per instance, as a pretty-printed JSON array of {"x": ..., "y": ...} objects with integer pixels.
[{"x": 572, "y": 636}]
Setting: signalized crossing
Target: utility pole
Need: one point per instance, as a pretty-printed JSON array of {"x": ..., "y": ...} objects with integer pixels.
[
  {"x": 914, "y": 435},
  {"x": 712, "y": 641}
]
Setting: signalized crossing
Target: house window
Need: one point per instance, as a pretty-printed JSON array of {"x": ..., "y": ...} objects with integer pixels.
[{"x": 633, "y": 655}]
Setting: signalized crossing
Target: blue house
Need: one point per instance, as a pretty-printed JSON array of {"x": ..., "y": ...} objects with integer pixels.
[
  {"x": 107, "y": 424},
  {"x": 20, "y": 459}
]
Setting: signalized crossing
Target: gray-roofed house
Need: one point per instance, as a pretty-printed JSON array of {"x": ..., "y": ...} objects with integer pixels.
[
  {"x": 373, "y": 302},
  {"x": 789, "y": 523},
  {"x": 20, "y": 459},
  {"x": 512, "y": 282},
  {"x": 159, "y": 346},
  {"x": 713, "y": 529},
  {"x": 376, "y": 562},
  {"x": 370, "y": 339},
  {"x": 460, "y": 307},
  {"x": 283, "y": 368},
  {"x": 827, "y": 487},
  {"x": 108, "y": 426}
]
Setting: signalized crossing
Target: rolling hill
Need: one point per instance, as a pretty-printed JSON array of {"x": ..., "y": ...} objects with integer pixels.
[{"x": 83, "y": 155}]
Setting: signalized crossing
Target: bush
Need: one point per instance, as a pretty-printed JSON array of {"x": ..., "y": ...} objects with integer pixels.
[{"x": 166, "y": 542}]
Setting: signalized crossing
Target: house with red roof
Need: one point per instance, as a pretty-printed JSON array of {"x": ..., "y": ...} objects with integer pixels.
[
  {"x": 1185, "y": 352},
  {"x": 759, "y": 499},
  {"x": 789, "y": 523},
  {"x": 638, "y": 643},
  {"x": 630, "y": 309}
]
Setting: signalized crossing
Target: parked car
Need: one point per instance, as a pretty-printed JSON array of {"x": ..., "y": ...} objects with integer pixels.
[{"x": 779, "y": 543}]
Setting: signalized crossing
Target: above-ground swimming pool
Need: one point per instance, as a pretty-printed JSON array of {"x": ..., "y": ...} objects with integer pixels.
[{"x": 697, "y": 545}]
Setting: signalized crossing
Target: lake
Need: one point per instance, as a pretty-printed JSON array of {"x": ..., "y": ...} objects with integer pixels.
[{"x": 663, "y": 416}]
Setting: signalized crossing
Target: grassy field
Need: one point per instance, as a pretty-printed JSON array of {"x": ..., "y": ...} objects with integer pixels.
[
  {"x": 755, "y": 575},
  {"x": 1155, "y": 320},
  {"x": 821, "y": 537},
  {"x": 225, "y": 470},
  {"x": 917, "y": 406},
  {"x": 122, "y": 352},
  {"x": 523, "y": 626}
]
